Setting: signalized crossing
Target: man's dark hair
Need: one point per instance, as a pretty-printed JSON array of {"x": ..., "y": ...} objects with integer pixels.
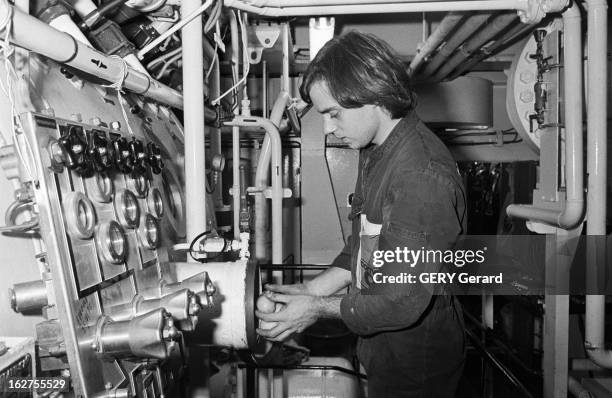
[{"x": 361, "y": 69}]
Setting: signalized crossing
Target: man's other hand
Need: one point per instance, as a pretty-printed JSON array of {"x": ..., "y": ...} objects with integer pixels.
[{"x": 299, "y": 311}]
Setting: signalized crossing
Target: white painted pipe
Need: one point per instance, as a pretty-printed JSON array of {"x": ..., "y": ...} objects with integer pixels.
[
  {"x": 447, "y": 24},
  {"x": 236, "y": 192},
  {"x": 35, "y": 35},
  {"x": 285, "y": 80},
  {"x": 83, "y": 7},
  {"x": 261, "y": 176},
  {"x": 277, "y": 189},
  {"x": 596, "y": 164},
  {"x": 64, "y": 23},
  {"x": 471, "y": 25},
  {"x": 193, "y": 94},
  {"x": 372, "y": 8},
  {"x": 573, "y": 212}
]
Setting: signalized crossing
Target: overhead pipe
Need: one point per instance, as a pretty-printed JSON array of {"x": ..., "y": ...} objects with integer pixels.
[
  {"x": 277, "y": 172},
  {"x": 597, "y": 85},
  {"x": 194, "y": 127},
  {"x": 510, "y": 37},
  {"x": 467, "y": 29},
  {"x": 35, "y": 35},
  {"x": 474, "y": 43},
  {"x": 573, "y": 212},
  {"x": 530, "y": 11},
  {"x": 448, "y": 23}
]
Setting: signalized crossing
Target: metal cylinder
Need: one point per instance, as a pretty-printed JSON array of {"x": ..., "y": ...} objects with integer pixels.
[
  {"x": 28, "y": 296},
  {"x": 150, "y": 335}
]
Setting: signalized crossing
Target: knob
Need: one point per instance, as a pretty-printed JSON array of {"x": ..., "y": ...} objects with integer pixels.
[
  {"x": 74, "y": 149},
  {"x": 100, "y": 151},
  {"x": 139, "y": 155},
  {"x": 124, "y": 161},
  {"x": 155, "y": 158}
]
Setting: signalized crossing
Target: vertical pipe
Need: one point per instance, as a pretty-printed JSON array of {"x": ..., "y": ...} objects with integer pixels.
[
  {"x": 596, "y": 164},
  {"x": 264, "y": 89},
  {"x": 285, "y": 84},
  {"x": 235, "y": 132},
  {"x": 193, "y": 99}
]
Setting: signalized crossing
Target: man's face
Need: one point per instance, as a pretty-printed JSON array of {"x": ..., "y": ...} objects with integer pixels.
[{"x": 357, "y": 127}]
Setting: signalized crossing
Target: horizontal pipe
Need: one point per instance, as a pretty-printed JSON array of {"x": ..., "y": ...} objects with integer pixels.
[
  {"x": 448, "y": 23},
  {"x": 573, "y": 212},
  {"x": 34, "y": 35},
  {"x": 372, "y": 8},
  {"x": 311, "y": 3}
]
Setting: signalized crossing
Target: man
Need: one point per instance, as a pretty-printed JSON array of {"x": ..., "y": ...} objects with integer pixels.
[{"x": 408, "y": 196}]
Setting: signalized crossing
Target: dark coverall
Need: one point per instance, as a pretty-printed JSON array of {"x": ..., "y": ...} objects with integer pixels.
[{"x": 409, "y": 194}]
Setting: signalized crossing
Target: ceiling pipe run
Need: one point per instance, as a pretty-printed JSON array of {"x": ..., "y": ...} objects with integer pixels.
[
  {"x": 448, "y": 23},
  {"x": 472, "y": 24},
  {"x": 510, "y": 37},
  {"x": 492, "y": 29},
  {"x": 530, "y": 11}
]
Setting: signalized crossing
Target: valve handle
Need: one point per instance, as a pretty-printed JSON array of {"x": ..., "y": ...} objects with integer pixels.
[
  {"x": 124, "y": 161},
  {"x": 100, "y": 152},
  {"x": 155, "y": 158},
  {"x": 74, "y": 149},
  {"x": 139, "y": 155}
]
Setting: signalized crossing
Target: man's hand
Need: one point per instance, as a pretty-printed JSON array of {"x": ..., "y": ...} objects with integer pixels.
[{"x": 299, "y": 312}]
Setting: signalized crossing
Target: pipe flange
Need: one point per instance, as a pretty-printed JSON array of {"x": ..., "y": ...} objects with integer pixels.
[
  {"x": 80, "y": 215},
  {"x": 100, "y": 187},
  {"x": 155, "y": 201},
  {"x": 111, "y": 242},
  {"x": 127, "y": 209},
  {"x": 138, "y": 184},
  {"x": 149, "y": 232}
]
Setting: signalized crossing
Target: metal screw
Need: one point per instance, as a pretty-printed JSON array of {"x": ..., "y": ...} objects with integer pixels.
[
  {"x": 96, "y": 121},
  {"x": 115, "y": 125},
  {"x": 108, "y": 385}
]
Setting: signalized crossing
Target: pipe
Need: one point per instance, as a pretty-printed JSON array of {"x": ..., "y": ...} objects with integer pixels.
[
  {"x": 277, "y": 188},
  {"x": 475, "y": 42},
  {"x": 372, "y": 8},
  {"x": 596, "y": 163},
  {"x": 576, "y": 389},
  {"x": 467, "y": 28},
  {"x": 285, "y": 82},
  {"x": 193, "y": 94},
  {"x": 261, "y": 177},
  {"x": 584, "y": 364},
  {"x": 35, "y": 35},
  {"x": 448, "y": 23},
  {"x": 509, "y": 38},
  {"x": 572, "y": 214},
  {"x": 236, "y": 192}
]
